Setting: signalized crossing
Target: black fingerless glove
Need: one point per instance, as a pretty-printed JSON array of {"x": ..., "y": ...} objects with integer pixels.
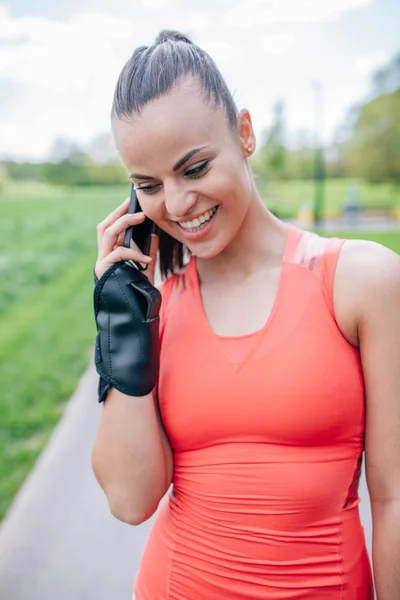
[{"x": 126, "y": 309}]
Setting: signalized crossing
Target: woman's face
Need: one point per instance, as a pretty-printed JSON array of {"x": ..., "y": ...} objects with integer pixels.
[{"x": 189, "y": 168}]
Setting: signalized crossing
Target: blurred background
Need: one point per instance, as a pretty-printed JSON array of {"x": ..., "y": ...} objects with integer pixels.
[{"x": 322, "y": 82}]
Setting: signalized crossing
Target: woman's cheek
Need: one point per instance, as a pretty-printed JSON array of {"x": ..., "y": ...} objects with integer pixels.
[{"x": 151, "y": 209}]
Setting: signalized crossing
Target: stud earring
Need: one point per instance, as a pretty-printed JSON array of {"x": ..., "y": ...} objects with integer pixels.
[{"x": 249, "y": 149}]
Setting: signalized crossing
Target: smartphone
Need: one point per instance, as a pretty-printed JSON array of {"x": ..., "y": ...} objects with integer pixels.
[{"x": 140, "y": 234}]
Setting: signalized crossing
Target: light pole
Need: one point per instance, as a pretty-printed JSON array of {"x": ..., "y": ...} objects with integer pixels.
[{"x": 319, "y": 171}]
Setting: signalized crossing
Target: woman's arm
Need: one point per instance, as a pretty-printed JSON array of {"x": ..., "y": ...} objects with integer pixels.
[
  {"x": 374, "y": 273},
  {"x": 131, "y": 456}
]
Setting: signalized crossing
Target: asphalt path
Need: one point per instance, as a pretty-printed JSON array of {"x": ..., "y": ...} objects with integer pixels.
[{"x": 59, "y": 540}]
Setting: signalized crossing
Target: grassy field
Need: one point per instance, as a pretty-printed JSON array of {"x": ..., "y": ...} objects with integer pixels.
[
  {"x": 47, "y": 252},
  {"x": 288, "y": 196}
]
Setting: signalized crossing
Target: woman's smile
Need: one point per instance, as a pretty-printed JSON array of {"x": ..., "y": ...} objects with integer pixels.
[{"x": 199, "y": 227}]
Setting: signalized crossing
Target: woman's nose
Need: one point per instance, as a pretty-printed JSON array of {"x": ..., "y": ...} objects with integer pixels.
[{"x": 178, "y": 202}]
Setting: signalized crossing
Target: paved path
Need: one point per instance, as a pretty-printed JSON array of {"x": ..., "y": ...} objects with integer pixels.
[{"x": 59, "y": 541}]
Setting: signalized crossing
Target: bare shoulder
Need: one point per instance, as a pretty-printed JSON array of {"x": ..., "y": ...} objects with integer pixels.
[{"x": 367, "y": 282}]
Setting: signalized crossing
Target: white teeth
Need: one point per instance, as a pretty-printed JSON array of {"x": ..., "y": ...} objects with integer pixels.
[{"x": 199, "y": 221}]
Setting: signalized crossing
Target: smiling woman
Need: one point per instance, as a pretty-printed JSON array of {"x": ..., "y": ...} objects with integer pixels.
[
  {"x": 258, "y": 416},
  {"x": 182, "y": 122}
]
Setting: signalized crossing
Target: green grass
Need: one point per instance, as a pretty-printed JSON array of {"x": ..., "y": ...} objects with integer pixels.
[
  {"x": 48, "y": 248},
  {"x": 40, "y": 236},
  {"x": 390, "y": 239},
  {"x": 286, "y": 197},
  {"x": 44, "y": 347}
]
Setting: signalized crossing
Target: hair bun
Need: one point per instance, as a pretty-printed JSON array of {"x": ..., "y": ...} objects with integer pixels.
[{"x": 175, "y": 36}]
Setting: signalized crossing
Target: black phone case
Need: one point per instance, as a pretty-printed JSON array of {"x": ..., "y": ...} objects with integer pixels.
[{"x": 141, "y": 233}]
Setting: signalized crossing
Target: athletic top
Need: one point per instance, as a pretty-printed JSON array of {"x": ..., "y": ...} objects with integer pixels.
[{"x": 267, "y": 433}]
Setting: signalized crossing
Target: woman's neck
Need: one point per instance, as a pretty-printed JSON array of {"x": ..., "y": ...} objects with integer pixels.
[{"x": 258, "y": 245}]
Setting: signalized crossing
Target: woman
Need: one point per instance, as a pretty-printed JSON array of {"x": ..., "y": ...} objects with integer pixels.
[{"x": 279, "y": 365}]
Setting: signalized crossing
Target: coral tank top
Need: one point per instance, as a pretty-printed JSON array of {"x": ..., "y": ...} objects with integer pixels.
[{"x": 267, "y": 433}]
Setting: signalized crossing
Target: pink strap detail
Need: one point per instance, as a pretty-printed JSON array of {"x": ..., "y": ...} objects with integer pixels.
[
  {"x": 329, "y": 263},
  {"x": 319, "y": 255}
]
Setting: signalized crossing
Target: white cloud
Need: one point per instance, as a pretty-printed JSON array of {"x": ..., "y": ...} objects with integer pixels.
[
  {"x": 254, "y": 12},
  {"x": 220, "y": 51},
  {"x": 153, "y": 3},
  {"x": 61, "y": 56},
  {"x": 367, "y": 63},
  {"x": 277, "y": 43},
  {"x": 57, "y": 77}
]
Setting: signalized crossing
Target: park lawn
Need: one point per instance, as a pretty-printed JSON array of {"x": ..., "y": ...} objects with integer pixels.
[
  {"x": 390, "y": 239},
  {"x": 45, "y": 345},
  {"x": 48, "y": 249},
  {"x": 41, "y": 235},
  {"x": 286, "y": 197},
  {"x": 47, "y": 328}
]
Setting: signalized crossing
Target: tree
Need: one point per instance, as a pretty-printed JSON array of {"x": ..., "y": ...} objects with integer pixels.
[
  {"x": 374, "y": 149},
  {"x": 367, "y": 143},
  {"x": 270, "y": 160}
]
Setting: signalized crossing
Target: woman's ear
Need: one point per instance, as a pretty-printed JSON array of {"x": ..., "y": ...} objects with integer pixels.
[{"x": 246, "y": 132}]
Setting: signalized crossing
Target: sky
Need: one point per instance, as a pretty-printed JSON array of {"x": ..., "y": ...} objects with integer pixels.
[{"x": 59, "y": 61}]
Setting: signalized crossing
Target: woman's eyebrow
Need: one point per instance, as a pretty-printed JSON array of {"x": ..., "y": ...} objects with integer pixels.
[
  {"x": 187, "y": 157},
  {"x": 177, "y": 166}
]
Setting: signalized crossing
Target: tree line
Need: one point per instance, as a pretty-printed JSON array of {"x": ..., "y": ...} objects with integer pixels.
[{"x": 366, "y": 146}]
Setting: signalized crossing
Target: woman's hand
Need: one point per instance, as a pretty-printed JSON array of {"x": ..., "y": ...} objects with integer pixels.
[{"x": 110, "y": 240}]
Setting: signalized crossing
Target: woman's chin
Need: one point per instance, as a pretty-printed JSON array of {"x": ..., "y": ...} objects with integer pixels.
[{"x": 205, "y": 251}]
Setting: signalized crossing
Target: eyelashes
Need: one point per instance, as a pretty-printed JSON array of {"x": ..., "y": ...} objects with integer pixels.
[
  {"x": 197, "y": 171},
  {"x": 149, "y": 189},
  {"x": 192, "y": 173}
]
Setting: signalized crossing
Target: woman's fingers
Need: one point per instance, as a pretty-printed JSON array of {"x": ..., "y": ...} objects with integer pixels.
[
  {"x": 111, "y": 218},
  {"x": 120, "y": 253},
  {"x": 120, "y": 239},
  {"x": 109, "y": 236}
]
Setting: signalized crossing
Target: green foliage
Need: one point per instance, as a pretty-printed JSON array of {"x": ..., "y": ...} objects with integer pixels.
[
  {"x": 368, "y": 141},
  {"x": 23, "y": 171},
  {"x": 278, "y": 163},
  {"x": 78, "y": 169},
  {"x": 270, "y": 160},
  {"x": 374, "y": 148},
  {"x": 367, "y": 145}
]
